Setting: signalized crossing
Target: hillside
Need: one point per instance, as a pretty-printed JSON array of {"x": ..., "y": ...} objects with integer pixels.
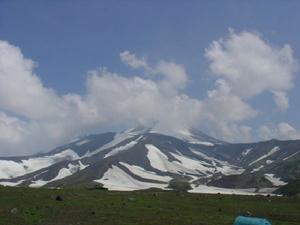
[{"x": 143, "y": 158}]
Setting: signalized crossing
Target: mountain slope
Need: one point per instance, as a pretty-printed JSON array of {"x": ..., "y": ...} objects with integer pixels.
[{"x": 143, "y": 158}]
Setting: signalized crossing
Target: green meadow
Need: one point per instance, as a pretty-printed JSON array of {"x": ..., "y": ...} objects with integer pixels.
[{"x": 82, "y": 206}]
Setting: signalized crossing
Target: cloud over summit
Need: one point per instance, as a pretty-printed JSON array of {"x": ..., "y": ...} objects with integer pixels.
[{"x": 34, "y": 118}]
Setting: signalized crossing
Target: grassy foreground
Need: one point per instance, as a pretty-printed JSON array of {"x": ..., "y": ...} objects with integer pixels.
[{"x": 25, "y": 206}]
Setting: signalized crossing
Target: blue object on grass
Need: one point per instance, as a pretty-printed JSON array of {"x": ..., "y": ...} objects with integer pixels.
[{"x": 243, "y": 220}]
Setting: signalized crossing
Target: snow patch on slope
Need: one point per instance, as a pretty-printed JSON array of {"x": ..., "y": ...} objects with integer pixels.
[
  {"x": 276, "y": 181},
  {"x": 246, "y": 152},
  {"x": 157, "y": 159},
  {"x": 11, "y": 169},
  {"x": 118, "y": 138},
  {"x": 223, "y": 167},
  {"x": 257, "y": 169},
  {"x": 269, "y": 161},
  {"x": 116, "y": 179},
  {"x": 271, "y": 152},
  {"x": 192, "y": 165},
  {"x": 184, "y": 135},
  {"x": 119, "y": 149},
  {"x": 141, "y": 172},
  {"x": 292, "y": 155},
  {"x": 214, "y": 190},
  {"x": 62, "y": 173},
  {"x": 11, "y": 184},
  {"x": 184, "y": 165},
  {"x": 82, "y": 142},
  {"x": 230, "y": 170},
  {"x": 188, "y": 136}
]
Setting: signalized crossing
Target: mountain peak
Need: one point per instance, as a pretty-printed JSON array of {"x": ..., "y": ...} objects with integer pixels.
[{"x": 193, "y": 136}]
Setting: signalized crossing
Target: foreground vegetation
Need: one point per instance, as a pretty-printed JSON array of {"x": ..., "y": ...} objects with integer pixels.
[{"x": 25, "y": 206}]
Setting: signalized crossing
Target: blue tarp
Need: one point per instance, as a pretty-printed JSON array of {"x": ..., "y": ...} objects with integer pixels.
[{"x": 243, "y": 220}]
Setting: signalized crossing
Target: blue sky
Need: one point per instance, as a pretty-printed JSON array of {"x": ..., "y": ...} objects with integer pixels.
[{"x": 69, "y": 38}]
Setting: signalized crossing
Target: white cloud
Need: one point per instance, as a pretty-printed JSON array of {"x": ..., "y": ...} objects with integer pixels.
[
  {"x": 173, "y": 73},
  {"x": 281, "y": 131},
  {"x": 250, "y": 66},
  {"x": 133, "y": 61},
  {"x": 245, "y": 66},
  {"x": 137, "y": 100},
  {"x": 225, "y": 106},
  {"x": 281, "y": 100},
  {"x": 42, "y": 119},
  {"x": 21, "y": 91},
  {"x": 232, "y": 132},
  {"x": 34, "y": 118},
  {"x": 11, "y": 129},
  {"x": 224, "y": 113},
  {"x": 220, "y": 112}
]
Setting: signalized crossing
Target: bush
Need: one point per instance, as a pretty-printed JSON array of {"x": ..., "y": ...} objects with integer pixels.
[{"x": 179, "y": 185}]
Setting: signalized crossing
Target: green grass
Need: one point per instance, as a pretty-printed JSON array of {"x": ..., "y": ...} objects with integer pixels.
[{"x": 93, "y": 207}]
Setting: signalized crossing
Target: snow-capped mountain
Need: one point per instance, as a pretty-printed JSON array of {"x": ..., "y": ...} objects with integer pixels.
[{"x": 145, "y": 158}]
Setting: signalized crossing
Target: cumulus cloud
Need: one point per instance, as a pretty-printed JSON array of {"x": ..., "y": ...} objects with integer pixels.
[
  {"x": 245, "y": 66},
  {"x": 250, "y": 66},
  {"x": 224, "y": 113},
  {"x": 21, "y": 89},
  {"x": 113, "y": 98},
  {"x": 173, "y": 73},
  {"x": 35, "y": 118},
  {"x": 281, "y": 131},
  {"x": 42, "y": 119}
]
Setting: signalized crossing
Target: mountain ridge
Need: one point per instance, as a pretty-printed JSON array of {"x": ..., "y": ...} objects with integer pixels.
[{"x": 144, "y": 158}]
